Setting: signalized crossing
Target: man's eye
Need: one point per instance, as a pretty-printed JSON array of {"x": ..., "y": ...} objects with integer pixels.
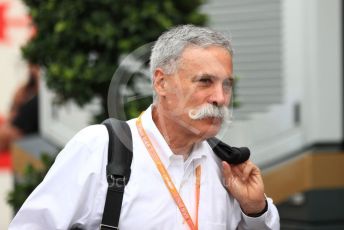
[
  {"x": 205, "y": 80},
  {"x": 227, "y": 85}
]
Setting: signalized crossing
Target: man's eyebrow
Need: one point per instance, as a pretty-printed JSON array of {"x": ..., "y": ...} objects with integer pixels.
[
  {"x": 196, "y": 77},
  {"x": 231, "y": 78}
]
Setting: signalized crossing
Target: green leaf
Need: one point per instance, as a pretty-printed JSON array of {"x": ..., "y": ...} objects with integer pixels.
[{"x": 60, "y": 26}]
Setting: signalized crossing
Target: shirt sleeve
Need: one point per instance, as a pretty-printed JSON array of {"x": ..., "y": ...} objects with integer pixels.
[
  {"x": 269, "y": 220},
  {"x": 72, "y": 188}
]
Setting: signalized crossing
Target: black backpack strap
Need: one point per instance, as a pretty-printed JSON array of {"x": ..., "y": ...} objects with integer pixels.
[
  {"x": 232, "y": 155},
  {"x": 117, "y": 170}
]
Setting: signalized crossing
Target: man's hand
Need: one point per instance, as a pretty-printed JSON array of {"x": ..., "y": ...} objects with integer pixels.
[{"x": 245, "y": 183}]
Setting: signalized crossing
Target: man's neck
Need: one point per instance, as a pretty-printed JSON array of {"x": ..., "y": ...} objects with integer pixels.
[{"x": 174, "y": 134}]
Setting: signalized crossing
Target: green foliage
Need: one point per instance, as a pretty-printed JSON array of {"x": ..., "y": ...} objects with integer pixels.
[
  {"x": 31, "y": 178},
  {"x": 79, "y": 42}
]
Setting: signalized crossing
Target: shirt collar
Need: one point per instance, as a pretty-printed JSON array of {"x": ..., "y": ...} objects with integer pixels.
[
  {"x": 163, "y": 150},
  {"x": 197, "y": 154}
]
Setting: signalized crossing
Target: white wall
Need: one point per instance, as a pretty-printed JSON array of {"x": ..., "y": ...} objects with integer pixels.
[
  {"x": 313, "y": 66},
  {"x": 322, "y": 83},
  {"x": 59, "y": 123},
  {"x": 312, "y": 47}
]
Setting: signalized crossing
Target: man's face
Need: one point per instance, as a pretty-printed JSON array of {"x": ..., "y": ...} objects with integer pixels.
[{"x": 204, "y": 76}]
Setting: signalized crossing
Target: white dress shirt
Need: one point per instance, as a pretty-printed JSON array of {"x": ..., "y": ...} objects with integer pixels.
[{"x": 74, "y": 190}]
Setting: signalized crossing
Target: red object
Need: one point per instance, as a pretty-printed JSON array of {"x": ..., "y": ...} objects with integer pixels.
[
  {"x": 5, "y": 160},
  {"x": 3, "y": 21},
  {"x": 5, "y": 157},
  {"x": 7, "y": 23}
]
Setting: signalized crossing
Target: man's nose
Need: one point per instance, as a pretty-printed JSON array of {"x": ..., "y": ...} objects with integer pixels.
[{"x": 219, "y": 97}]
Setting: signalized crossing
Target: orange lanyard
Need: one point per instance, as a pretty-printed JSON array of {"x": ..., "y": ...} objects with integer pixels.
[{"x": 167, "y": 179}]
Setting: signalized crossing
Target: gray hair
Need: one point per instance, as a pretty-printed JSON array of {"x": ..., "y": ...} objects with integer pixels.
[{"x": 171, "y": 44}]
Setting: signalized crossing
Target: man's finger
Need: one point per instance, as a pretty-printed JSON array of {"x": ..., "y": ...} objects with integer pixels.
[
  {"x": 226, "y": 169},
  {"x": 238, "y": 171},
  {"x": 249, "y": 168},
  {"x": 227, "y": 172}
]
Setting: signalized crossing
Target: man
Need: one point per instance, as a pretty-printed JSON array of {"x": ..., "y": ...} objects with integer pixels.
[
  {"x": 23, "y": 117},
  {"x": 192, "y": 75}
]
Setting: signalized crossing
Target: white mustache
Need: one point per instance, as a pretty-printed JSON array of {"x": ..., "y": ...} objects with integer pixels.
[{"x": 208, "y": 110}]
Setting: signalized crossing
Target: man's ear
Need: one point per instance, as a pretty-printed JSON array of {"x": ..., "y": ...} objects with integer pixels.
[{"x": 159, "y": 82}]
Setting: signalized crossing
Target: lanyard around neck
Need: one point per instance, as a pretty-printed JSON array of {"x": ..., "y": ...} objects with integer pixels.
[{"x": 167, "y": 179}]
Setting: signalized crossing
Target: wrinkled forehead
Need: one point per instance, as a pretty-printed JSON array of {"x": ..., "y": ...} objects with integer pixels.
[{"x": 206, "y": 58}]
